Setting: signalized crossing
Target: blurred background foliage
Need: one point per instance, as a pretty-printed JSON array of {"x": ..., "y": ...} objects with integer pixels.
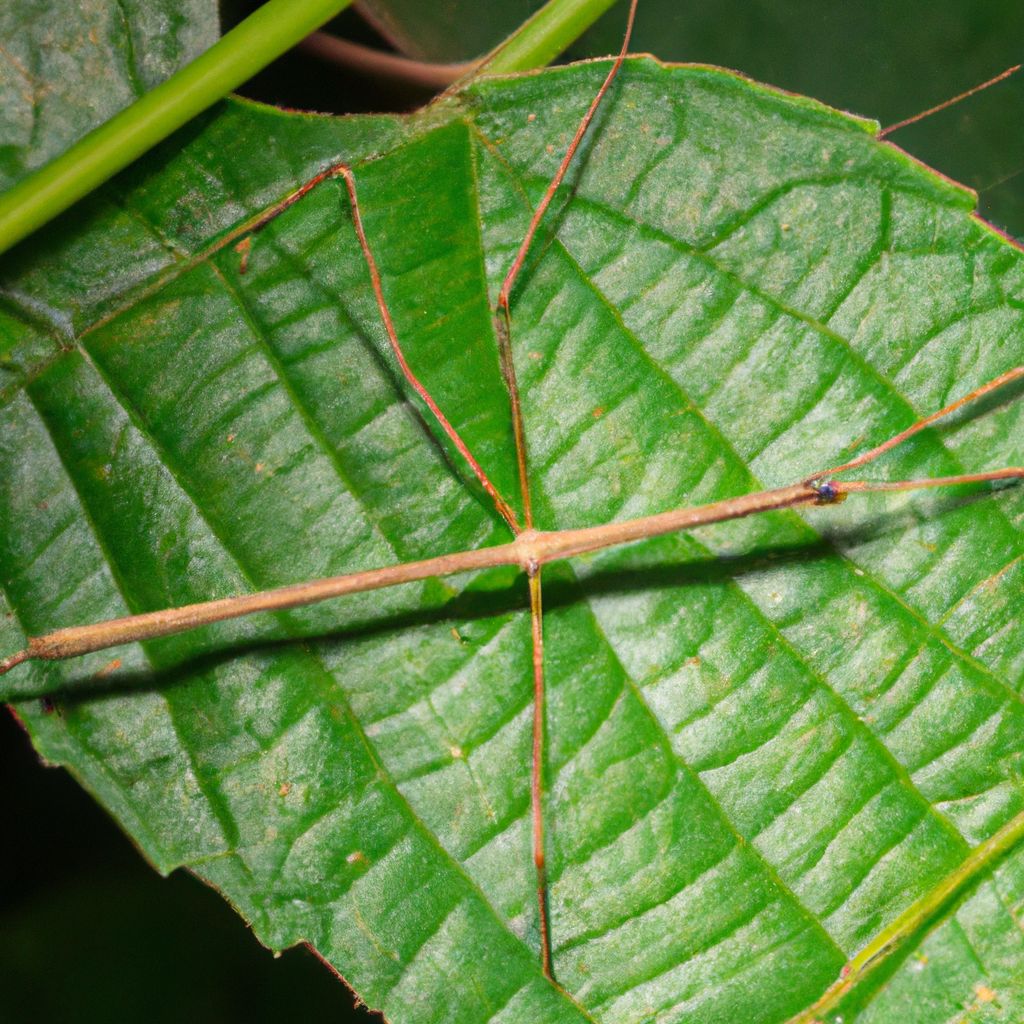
[{"x": 88, "y": 932}]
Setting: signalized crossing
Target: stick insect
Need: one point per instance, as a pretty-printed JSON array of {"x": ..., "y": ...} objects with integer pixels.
[{"x": 531, "y": 548}]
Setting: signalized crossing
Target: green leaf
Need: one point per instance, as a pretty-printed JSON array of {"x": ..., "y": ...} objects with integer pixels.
[
  {"x": 70, "y": 65},
  {"x": 773, "y": 744}
]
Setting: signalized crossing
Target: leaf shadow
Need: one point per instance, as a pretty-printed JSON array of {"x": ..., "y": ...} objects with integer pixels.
[
  {"x": 477, "y": 603},
  {"x": 468, "y": 606}
]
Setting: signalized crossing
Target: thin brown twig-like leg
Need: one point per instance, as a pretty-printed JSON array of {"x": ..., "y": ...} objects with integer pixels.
[
  {"x": 537, "y": 767},
  {"x": 503, "y": 332},
  {"x": 989, "y": 476},
  {"x": 563, "y": 167},
  {"x": 897, "y": 439},
  {"x": 6, "y": 664},
  {"x": 995, "y": 80},
  {"x": 503, "y": 318},
  {"x": 503, "y": 507},
  {"x": 343, "y": 170}
]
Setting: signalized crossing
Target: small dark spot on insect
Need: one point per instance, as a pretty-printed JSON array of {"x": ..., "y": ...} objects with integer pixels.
[
  {"x": 827, "y": 492},
  {"x": 47, "y": 705}
]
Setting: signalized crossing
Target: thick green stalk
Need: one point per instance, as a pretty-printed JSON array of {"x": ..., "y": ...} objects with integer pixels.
[
  {"x": 274, "y": 28},
  {"x": 543, "y": 37}
]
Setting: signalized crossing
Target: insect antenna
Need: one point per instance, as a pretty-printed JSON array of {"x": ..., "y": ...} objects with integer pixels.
[
  {"x": 844, "y": 487},
  {"x": 829, "y": 490},
  {"x": 906, "y": 122}
]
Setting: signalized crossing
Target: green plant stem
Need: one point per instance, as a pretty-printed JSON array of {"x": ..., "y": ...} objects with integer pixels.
[
  {"x": 248, "y": 48},
  {"x": 544, "y": 36},
  {"x": 917, "y": 915}
]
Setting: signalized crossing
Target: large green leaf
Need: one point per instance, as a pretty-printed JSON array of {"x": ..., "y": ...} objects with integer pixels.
[
  {"x": 767, "y": 740},
  {"x": 69, "y": 65}
]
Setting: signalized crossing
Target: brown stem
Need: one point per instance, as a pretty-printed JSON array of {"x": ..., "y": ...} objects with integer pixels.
[{"x": 380, "y": 64}]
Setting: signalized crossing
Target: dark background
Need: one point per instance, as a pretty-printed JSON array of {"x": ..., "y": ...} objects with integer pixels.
[{"x": 88, "y": 931}]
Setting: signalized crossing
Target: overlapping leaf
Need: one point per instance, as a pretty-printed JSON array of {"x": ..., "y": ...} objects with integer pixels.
[
  {"x": 767, "y": 740},
  {"x": 68, "y": 67}
]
